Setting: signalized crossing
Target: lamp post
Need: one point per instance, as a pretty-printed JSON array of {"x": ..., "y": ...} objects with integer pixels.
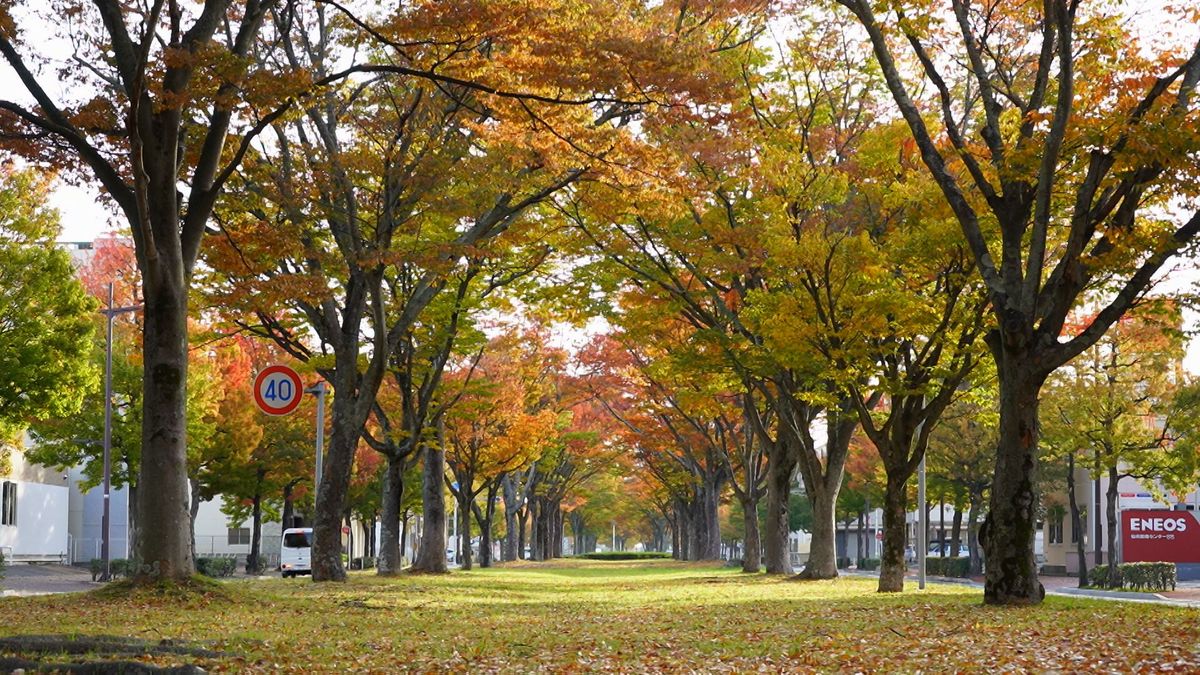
[
  {"x": 319, "y": 390},
  {"x": 109, "y": 313}
]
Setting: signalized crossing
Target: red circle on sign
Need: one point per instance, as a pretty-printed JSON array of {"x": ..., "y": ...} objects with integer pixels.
[{"x": 272, "y": 401}]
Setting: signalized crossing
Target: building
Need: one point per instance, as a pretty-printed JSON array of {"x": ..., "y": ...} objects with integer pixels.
[
  {"x": 85, "y": 522},
  {"x": 33, "y": 510},
  {"x": 1062, "y": 554}
]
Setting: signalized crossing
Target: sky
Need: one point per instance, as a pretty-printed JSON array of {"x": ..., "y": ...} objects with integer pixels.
[{"x": 84, "y": 218}]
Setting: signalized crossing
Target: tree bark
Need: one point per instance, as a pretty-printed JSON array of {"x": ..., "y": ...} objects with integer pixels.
[
  {"x": 822, "y": 552},
  {"x": 289, "y": 508},
  {"x": 956, "y": 530},
  {"x": 892, "y": 565},
  {"x": 335, "y": 479},
  {"x": 193, "y": 511},
  {"x": 752, "y": 548},
  {"x": 1008, "y": 531},
  {"x": 1076, "y": 521},
  {"x": 976, "y": 501},
  {"x": 164, "y": 549},
  {"x": 253, "y": 561},
  {"x": 712, "y": 520},
  {"x": 464, "y": 529},
  {"x": 1110, "y": 512},
  {"x": 431, "y": 557},
  {"x": 781, "y": 465},
  {"x": 389, "y": 558},
  {"x": 512, "y": 539}
]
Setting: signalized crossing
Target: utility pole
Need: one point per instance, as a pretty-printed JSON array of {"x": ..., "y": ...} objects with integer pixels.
[{"x": 109, "y": 313}]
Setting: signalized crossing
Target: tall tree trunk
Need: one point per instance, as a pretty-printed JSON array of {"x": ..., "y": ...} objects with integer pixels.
[
  {"x": 956, "y": 529},
  {"x": 535, "y": 524},
  {"x": 511, "y": 508},
  {"x": 712, "y": 520},
  {"x": 1076, "y": 521},
  {"x": 431, "y": 556},
  {"x": 892, "y": 565},
  {"x": 254, "y": 560},
  {"x": 390, "y": 556},
  {"x": 1110, "y": 512},
  {"x": 976, "y": 502},
  {"x": 193, "y": 511},
  {"x": 403, "y": 532},
  {"x": 752, "y": 550},
  {"x": 676, "y": 540},
  {"x": 696, "y": 531},
  {"x": 1008, "y": 532},
  {"x": 335, "y": 478},
  {"x": 781, "y": 465},
  {"x": 464, "y": 529},
  {"x": 289, "y": 507},
  {"x": 822, "y": 552},
  {"x": 164, "y": 548},
  {"x": 485, "y": 525},
  {"x": 522, "y": 531}
]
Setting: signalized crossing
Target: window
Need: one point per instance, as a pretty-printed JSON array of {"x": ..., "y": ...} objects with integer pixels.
[
  {"x": 1055, "y": 528},
  {"x": 8, "y": 503},
  {"x": 297, "y": 540},
  {"x": 239, "y": 536}
]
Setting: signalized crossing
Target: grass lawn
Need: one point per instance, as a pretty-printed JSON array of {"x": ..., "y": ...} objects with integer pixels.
[{"x": 622, "y": 616}]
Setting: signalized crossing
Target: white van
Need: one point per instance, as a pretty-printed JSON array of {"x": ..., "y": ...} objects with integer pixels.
[{"x": 295, "y": 554}]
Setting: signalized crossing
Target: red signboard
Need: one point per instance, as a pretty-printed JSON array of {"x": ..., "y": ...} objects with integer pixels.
[{"x": 1160, "y": 536}]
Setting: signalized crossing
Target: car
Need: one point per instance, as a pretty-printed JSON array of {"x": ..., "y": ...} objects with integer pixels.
[
  {"x": 935, "y": 549},
  {"x": 295, "y": 552}
]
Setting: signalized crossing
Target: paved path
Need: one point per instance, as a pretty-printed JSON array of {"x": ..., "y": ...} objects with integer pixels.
[
  {"x": 1187, "y": 594},
  {"x": 43, "y": 579}
]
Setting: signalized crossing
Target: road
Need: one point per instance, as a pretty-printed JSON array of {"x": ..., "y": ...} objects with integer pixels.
[{"x": 43, "y": 579}]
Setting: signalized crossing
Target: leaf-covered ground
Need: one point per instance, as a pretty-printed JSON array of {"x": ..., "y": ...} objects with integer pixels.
[{"x": 617, "y": 616}]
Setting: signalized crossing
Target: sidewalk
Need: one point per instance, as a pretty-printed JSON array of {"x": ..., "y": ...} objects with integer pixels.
[
  {"x": 1186, "y": 593},
  {"x": 21, "y": 580}
]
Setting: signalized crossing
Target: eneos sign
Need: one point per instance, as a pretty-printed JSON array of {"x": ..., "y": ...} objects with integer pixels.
[{"x": 1160, "y": 536}]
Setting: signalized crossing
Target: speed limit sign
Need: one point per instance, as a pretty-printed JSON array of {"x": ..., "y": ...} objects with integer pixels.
[{"x": 277, "y": 390}]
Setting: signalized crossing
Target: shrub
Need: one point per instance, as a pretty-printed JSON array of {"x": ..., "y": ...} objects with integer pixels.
[
  {"x": 1138, "y": 576},
  {"x": 3, "y": 565},
  {"x": 843, "y": 563},
  {"x": 948, "y": 567},
  {"x": 364, "y": 563},
  {"x": 122, "y": 568},
  {"x": 868, "y": 563},
  {"x": 216, "y": 567},
  {"x": 625, "y": 555}
]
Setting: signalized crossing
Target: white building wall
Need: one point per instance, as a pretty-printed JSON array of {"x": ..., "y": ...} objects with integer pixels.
[
  {"x": 212, "y": 533},
  {"x": 86, "y": 516},
  {"x": 41, "y": 527}
]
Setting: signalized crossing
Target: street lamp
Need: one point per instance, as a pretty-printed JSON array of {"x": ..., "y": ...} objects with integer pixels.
[
  {"x": 319, "y": 389},
  {"x": 110, "y": 313}
]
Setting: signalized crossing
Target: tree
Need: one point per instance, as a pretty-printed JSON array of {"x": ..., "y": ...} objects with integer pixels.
[
  {"x": 46, "y": 317},
  {"x": 488, "y": 433},
  {"x": 1062, "y": 204},
  {"x": 1115, "y": 402},
  {"x": 144, "y": 119}
]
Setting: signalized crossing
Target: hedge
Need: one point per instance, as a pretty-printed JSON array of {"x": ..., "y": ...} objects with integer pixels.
[
  {"x": 843, "y": 563},
  {"x": 625, "y": 555},
  {"x": 1138, "y": 576},
  {"x": 216, "y": 567},
  {"x": 948, "y": 567},
  {"x": 868, "y": 563}
]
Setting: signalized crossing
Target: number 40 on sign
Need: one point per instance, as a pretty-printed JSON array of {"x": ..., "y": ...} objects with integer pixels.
[{"x": 277, "y": 390}]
